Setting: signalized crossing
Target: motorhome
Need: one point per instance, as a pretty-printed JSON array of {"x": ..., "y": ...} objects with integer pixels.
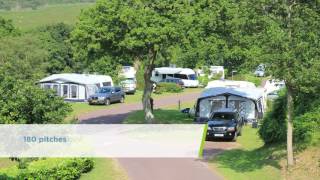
[
  {"x": 129, "y": 82},
  {"x": 75, "y": 87},
  {"x": 188, "y": 76}
]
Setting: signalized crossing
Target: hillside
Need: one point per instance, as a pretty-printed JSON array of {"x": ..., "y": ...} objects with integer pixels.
[{"x": 29, "y": 19}]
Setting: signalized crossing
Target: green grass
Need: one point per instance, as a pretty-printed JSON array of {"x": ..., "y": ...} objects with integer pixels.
[
  {"x": 30, "y": 19},
  {"x": 79, "y": 108},
  {"x": 252, "y": 161},
  {"x": 6, "y": 162},
  {"x": 105, "y": 169}
]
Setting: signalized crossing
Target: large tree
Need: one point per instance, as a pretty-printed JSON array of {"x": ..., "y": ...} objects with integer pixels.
[
  {"x": 136, "y": 30},
  {"x": 291, "y": 44}
]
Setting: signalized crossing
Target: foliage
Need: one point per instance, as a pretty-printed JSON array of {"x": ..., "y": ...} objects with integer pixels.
[
  {"x": 55, "y": 39},
  {"x": 7, "y": 28},
  {"x": 24, "y": 103},
  {"x": 204, "y": 80},
  {"x": 168, "y": 87},
  {"x": 248, "y": 77},
  {"x": 51, "y": 169},
  {"x": 273, "y": 127}
]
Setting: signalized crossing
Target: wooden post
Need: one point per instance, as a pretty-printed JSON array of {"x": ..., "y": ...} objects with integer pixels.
[{"x": 179, "y": 105}]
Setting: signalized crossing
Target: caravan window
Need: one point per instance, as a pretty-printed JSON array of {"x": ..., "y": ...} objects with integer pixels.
[
  {"x": 74, "y": 91},
  {"x": 65, "y": 90},
  {"x": 192, "y": 77},
  {"x": 47, "y": 86},
  {"x": 181, "y": 76},
  {"x": 106, "y": 83}
]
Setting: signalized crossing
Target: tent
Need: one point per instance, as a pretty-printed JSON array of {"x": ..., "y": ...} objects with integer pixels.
[
  {"x": 75, "y": 87},
  {"x": 249, "y": 101}
]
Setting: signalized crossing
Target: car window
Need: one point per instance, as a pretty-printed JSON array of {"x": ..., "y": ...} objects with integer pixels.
[
  {"x": 104, "y": 90},
  {"x": 117, "y": 89},
  {"x": 223, "y": 116}
]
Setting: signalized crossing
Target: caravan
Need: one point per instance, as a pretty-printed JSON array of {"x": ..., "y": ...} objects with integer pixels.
[{"x": 188, "y": 76}]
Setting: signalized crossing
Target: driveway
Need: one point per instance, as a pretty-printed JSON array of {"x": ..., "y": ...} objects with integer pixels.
[{"x": 160, "y": 168}]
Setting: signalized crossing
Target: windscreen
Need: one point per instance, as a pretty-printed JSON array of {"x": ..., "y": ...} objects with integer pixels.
[
  {"x": 104, "y": 90},
  {"x": 192, "y": 77},
  {"x": 223, "y": 116}
]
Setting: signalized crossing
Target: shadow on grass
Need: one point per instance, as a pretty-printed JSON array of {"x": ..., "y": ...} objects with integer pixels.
[
  {"x": 242, "y": 160},
  {"x": 162, "y": 116}
]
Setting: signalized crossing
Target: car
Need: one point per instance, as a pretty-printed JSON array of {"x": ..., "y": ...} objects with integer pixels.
[
  {"x": 260, "y": 71},
  {"x": 107, "y": 95},
  {"x": 225, "y": 123},
  {"x": 177, "y": 81},
  {"x": 129, "y": 85}
]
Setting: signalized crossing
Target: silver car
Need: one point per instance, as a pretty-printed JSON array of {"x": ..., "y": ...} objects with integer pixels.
[{"x": 107, "y": 95}]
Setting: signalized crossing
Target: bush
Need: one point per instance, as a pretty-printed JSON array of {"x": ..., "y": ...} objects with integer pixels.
[
  {"x": 51, "y": 169},
  {"x": 203, "y": 80},
  {"x": 274, "y": 125},
  {"x": 274, "y": 128},
  {"x": 168, "y": 87}
]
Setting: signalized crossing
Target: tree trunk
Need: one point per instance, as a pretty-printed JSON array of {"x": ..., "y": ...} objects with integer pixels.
[
  {"x": 148, "y": 114},
  {"x": 290, "y": 126}
]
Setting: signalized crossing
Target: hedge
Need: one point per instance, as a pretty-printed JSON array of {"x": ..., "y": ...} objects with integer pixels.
[
  {"x": 54, "y": 168},
  {"x": 168, "y": 87}
]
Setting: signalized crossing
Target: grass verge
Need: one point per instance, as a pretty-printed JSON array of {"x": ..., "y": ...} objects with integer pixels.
[
  {"x": 105, "y": 169},
  {"x": 252, "y": 161}
]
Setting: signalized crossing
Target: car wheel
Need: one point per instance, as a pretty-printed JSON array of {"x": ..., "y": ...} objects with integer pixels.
[
  {"x": 122, "y": 99},
  {"x": 107, "y": 102}
]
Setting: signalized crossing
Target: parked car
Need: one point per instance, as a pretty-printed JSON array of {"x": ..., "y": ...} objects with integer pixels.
[
  {"x": 177, "y": 81},
  {"x": 107, "y": 95},
  {"x": 225, "y": 123},
  {"x": 129, "y": 85}
]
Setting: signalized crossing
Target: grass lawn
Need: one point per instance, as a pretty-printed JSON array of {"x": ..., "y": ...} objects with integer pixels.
[
  {"x": 30, "y": 19},
  {"x": 167, "y": 115},
  {"x": 79, "y": 108},
  {"x": 105, "y": 169},
  {"x": 252, "y": 161},
  {"x": 6, "y": 162}
]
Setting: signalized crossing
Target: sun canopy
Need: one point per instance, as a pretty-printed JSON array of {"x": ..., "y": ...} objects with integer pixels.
[
  {"x": 245, "y": 92},
  {"x": 77, "y": 78}
]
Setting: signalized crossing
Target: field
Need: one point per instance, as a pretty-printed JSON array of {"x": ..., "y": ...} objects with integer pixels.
[{"x": 30, "y": 19}]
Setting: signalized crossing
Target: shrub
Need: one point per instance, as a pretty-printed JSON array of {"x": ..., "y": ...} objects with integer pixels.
[
  {"x": 168, "y": 87},
  {"x": 248, "y": 77},
  {"x": 273, "y": 128},
  {"x": 51, "y": 169},
  {"x": 203, "y": 80}
]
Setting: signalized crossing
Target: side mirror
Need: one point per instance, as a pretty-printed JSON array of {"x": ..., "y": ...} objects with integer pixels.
[{"x": 186, "y": 110}]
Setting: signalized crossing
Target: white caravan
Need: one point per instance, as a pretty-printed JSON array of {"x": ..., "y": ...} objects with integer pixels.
[
  {"x": 188, "y": 76},
  {"x": 75, "y": 87},
  {"x": 230, "y": 83}
]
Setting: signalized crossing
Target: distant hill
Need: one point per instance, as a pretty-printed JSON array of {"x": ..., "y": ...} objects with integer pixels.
[{"x": 34, "y": 4}]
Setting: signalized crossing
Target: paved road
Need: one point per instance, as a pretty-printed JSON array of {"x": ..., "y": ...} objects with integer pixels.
[
  {"x": 117, "y": 114},
  {"x": 160, "y": 168}
]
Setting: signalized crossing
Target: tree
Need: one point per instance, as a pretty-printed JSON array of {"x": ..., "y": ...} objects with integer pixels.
[
  {"x": 136, "y": 29},
  {"x": 292, "y": 51},
  {"x": 25, "y": 103}
]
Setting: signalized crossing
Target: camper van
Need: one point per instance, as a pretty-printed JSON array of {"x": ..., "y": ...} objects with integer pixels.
[{"x": 188, "y": 76}]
